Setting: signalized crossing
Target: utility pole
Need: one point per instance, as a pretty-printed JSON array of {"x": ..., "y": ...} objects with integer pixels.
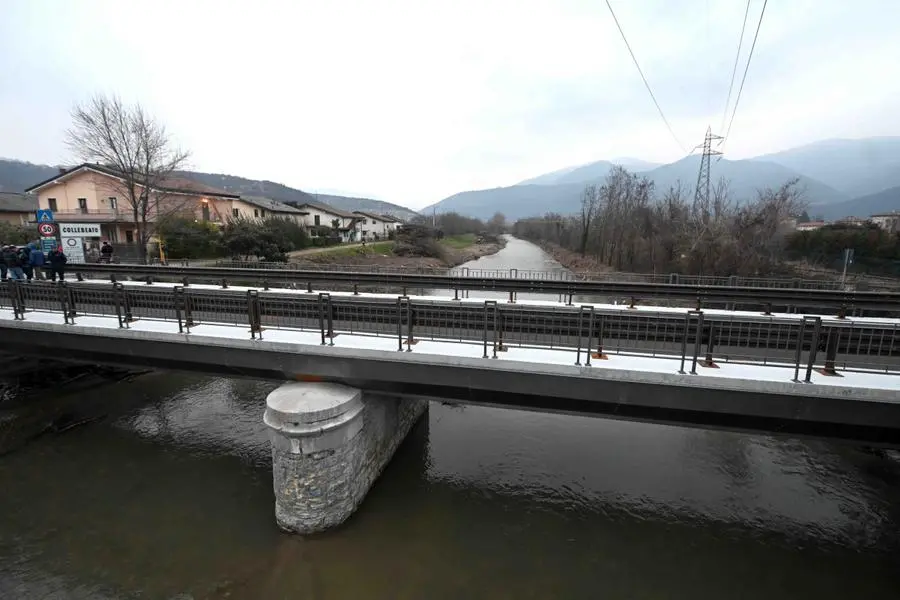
[
  {"x": 848, "y": 260},
  {"x": 701, "y": 195},
  {"x": 433, "y": 217}
]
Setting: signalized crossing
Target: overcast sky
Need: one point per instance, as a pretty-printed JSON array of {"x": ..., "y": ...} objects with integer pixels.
[{"x": 413, "y": 100}]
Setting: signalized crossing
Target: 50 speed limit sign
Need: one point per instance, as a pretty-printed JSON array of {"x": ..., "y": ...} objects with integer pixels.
[{"x": 47, "y": 229}]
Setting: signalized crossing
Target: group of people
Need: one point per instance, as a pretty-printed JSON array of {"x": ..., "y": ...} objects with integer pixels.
[{"x": 27, "y": 262}]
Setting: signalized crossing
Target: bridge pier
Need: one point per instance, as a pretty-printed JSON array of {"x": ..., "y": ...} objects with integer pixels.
[{"x": 329, "y": 444}]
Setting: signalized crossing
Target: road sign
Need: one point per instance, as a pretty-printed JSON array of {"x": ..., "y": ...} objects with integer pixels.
[
  {"x": 80, "y": 229},
  {"x": 44, "y": 216},
  {"x": 47, "y": 229},
  {"x": 48, "y": 244},
  {"x": 74, "y": 249}
]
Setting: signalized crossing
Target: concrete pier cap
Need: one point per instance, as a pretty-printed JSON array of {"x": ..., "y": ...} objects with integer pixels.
[
  {"x": 329, "y": 444},
  {"x": 311, "y": 417}
]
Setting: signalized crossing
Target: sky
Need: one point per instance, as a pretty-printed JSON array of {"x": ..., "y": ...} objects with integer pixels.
[{"x": 411, "y": 101}]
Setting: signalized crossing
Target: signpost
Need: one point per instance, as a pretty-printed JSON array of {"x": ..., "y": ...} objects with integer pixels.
[
  {"x": 43, "y": 215},
  {"x": 74, "y": 249},
  {"x": 90, "y": 230},
  {"x": 48, "y": 244},
  {"x": 48, "y": 229}
]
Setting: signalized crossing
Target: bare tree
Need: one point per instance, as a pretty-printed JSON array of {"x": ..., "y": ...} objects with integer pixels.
[
  {"x": 497, "y": 223},
  {"x": 138, "y": 152},
  {"x": 590, "y": 200}
]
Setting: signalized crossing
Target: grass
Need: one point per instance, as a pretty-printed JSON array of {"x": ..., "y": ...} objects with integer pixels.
[
  {"x": 370, "y": 248},
  {"x": 459, "y": 241}
]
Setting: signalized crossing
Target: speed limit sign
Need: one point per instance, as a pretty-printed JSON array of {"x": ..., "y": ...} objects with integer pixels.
[{"x": 47, "y": 229}]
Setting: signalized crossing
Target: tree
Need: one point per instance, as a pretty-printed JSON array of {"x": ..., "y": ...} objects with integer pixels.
[
  {"x": 590, "y": 199},
  {"x": 497, "y": 223},
  {"x": 17, "y": 234},
  {"x": 139, "y": 152}
]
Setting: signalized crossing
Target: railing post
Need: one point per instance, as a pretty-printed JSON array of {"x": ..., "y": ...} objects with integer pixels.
[
  {"x": 325, "y": 315},
  {"x": 814, "y": 347},
  {"x": 599, "y": 355},
  {"x": 589, "y": 311},
  {"x": 831, "y": 347},
  {"x": 63, "y": 294},
  {"x": 73, "y": 309},
  {"x": 178, "y": 300},
  {"x": 148, "y": 280},
  {"x": 698, "y": 339},
  {"x": 117, "y": 294},
  {"x": 684, "y": 340},
  {"x": 410, "y": 321},
  {"x": 488, "y": 305},
  {"x": 710, "y": 346},
  {"x": 816, "y": 322},
  {"x": 253, "y": 313},
  {"x": 402, "y": 302}
]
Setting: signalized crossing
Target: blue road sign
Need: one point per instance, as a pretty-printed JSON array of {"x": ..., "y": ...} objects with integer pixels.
[
  {"x": 48, "y": 245},
  {"x": 44, "y": 216}
]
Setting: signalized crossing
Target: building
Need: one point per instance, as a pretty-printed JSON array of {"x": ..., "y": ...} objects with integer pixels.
[
  {"x": 372, "y": 226},
  {"x": 851, "y": 221},
  {"x": 810, "y": 225},
  {"x": 17, "y": 209},
  {"x": 890, "y": 222},
  {"x": 90, "y": 194},
  {"x": 259, "y": 207},
  {"x": 345, "y": 224}
]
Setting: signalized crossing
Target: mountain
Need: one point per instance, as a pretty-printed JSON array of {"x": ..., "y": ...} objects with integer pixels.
[
  {"x": 853, "y": 167},
  {"x": 589, "y": 172},
  {"x": 518, "y": 201},
  {"x": 17, "y": 175},
  {"x": 745, "y": 177},
  {"x": 515, "y": 202},
  {"x": 880, "y": 202},
  {"x": 350, "y": 203}
]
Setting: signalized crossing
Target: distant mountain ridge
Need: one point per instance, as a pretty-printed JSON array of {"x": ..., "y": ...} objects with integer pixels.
[
  {"x": 16, "y": 176},
  {"x": 871, "y": 165}
]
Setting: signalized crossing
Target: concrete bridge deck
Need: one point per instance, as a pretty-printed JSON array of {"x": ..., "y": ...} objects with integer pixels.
[{"x": 786, "y": 390}]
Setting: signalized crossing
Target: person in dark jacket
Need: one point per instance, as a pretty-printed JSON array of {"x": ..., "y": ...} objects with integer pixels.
[
  {"x": 106, "y": 252},
  {"x": 2, "y": 262},
  {"x": 25, "y": 260},
  {"x": 58, "y": 262},
  {"x": 13, "y": 262},
  {"x": 36, "y": 260}
]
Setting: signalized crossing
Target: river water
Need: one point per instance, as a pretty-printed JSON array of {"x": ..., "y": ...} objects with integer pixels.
[{"x": 170, "y": 497}]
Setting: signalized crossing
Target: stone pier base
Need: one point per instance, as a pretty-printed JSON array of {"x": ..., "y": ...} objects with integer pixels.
[{"x": 329, "y": 444}]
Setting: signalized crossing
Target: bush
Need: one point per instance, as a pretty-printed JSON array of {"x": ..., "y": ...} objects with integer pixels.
[
  {"x": 17, "y": 234},
  {"x": 243, "y": 238},
  {"x": 187, "y": 238}
]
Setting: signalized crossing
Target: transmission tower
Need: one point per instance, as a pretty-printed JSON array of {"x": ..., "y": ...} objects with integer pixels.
[{"x": 701, "y": 196}]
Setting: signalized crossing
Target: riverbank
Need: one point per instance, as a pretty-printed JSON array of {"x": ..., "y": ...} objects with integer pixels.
[
  {"x": 456, "y": 250},
  {"x": 574, "y": 261}
]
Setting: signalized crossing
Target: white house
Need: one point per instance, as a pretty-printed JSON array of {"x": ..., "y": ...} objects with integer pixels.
[
  {"x": 323, "y": 215},
  {"x": 372, "y": 226}
]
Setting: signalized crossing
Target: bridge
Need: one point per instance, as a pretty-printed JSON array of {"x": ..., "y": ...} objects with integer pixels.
[{"x": 373, "y": 358}]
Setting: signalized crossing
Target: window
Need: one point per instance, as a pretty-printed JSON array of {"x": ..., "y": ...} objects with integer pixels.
[
  {"x": 82, "y": 205},
  {"x": 129, "y": 236},
  {"x": 373, "y": 222},
  {"x": 236, "y": 213},
  {"x": 317, "y": 220},
  {"x": 113, "y": 204},
  {"x": 51, "y": 204}
]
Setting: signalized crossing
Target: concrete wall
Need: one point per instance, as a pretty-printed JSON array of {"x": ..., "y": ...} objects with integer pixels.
[{"x": 321, "y": 479}]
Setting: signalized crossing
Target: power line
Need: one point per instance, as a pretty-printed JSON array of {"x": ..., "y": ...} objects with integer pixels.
[
  {"x": 737, "y": 57},
  {"x": 746, "y": 68},
  {"x": 644, "y": 79}
]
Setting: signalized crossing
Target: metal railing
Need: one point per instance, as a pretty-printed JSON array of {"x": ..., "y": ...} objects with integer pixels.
[
  {"x": 693, "y": 337},
  {"x": 514, "y": 282}
]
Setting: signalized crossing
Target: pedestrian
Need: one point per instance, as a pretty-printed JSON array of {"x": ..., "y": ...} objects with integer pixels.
[
  {"x": 36, "y": 260},
  {"x": 13, "y": 263},
  {"x": 25, "y": 260},
  {"x": 58, "y": 262},
  {"x": 2, "y": 262},
  {"x": 106, "y": 252}
]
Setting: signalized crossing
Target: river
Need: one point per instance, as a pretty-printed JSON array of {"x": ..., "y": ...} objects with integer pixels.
[{"x": 170, "y": 497}]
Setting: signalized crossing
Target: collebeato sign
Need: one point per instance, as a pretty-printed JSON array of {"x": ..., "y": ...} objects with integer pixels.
[{"x": 79, "y": 230}]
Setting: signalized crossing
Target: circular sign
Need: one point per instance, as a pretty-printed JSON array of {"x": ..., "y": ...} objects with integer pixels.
[
  {"x": 47, "y": 229},
  {"x": 72, "y": 242}
]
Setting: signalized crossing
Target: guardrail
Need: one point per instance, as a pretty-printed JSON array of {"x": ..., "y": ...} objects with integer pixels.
[
  {"x": 697, "y": 338},
  {"x": 700, "y": 295},
  {"x": 860, "y": 282}
]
